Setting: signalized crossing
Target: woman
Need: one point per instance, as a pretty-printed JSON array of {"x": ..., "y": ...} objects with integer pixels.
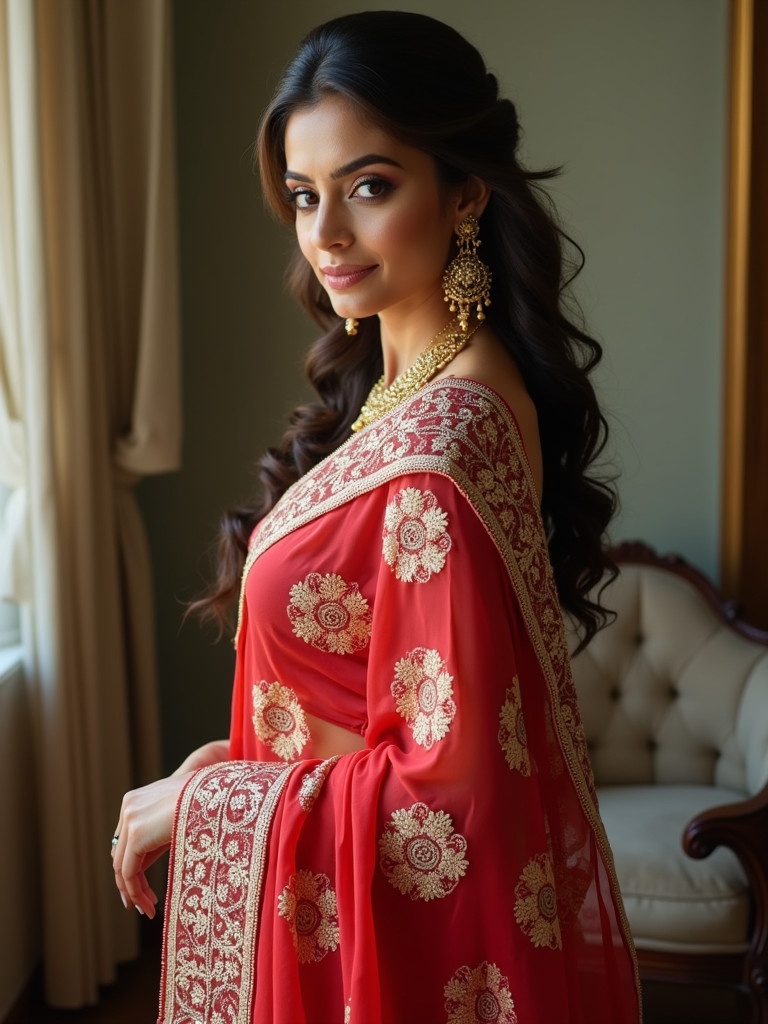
[{"x": 402, "y": 825}]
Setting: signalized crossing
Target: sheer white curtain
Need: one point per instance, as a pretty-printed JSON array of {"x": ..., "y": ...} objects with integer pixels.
[{"x": 89, "y": 403}]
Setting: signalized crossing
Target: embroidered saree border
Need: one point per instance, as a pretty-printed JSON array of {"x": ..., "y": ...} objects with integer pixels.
[
  {"x": 463, "y": 430},
  {"x": 216, "y": 876}
]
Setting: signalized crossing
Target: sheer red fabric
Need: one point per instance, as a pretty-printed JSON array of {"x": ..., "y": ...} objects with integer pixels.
[{"x": 455, "y": 869}]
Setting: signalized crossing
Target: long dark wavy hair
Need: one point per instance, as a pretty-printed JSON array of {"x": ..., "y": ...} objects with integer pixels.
[{"x": 424, "y": 84}]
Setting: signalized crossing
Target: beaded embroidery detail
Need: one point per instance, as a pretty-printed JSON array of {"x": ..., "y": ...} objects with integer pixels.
[
  {"x": 308, "y": 904},
  {"x": 278, "y": 719},
  {"x": 225, "y": 813},
  {"x": 312, "y": 783},
  {"x": 479, "y": 995},
  {"x": 416, "y": 539},
  {"x": 421, "y": 855},
  {"x": 424, "y": 695},
  {"x": 330, "y": 614},
  {"x": 536, "y": 903},
  {"x": 512, "y": 736}
]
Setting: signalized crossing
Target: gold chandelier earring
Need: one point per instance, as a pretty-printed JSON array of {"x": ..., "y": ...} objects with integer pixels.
[
  {"x": 467, "y": 280},
  {"x": 351, "y": 325}
]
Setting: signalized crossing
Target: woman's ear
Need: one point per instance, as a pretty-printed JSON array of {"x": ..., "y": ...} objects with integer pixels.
[{"x": 473, "y": 198}]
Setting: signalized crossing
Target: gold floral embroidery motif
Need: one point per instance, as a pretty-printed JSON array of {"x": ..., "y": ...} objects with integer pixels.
[
  {"x": 421, "y": 855},
  {"x": 423, "y": 695},
  {"x": 312, "y": 783},
  {"x": 308, "y": 904},
  {"x": 512, "y": 736},
  {"x": 416, "y": 540},
  {"x": 330, "y": 614},
  {"x": 278, "y": 719},
  {"x": 536, "y": 903},
  {"x": 479, "y": 995}
]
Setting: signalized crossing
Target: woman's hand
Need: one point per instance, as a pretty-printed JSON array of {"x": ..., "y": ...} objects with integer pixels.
[{"x": 143, "y": 834}]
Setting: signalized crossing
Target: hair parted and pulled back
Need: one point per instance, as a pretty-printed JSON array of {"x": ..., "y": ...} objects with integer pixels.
[{"x": 423, "y": 83}]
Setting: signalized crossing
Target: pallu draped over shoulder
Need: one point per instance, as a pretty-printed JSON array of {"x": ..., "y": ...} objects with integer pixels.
[{"x": 455, "y": 869}]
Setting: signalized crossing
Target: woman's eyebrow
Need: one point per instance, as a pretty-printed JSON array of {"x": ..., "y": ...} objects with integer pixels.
[{"x": 350, "y": 168}]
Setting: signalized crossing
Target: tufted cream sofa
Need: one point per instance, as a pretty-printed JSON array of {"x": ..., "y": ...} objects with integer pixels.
[{"x": 674, "y": 697}]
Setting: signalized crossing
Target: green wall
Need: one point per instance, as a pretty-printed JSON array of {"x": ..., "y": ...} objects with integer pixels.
[{"x": 629, "y": 97}]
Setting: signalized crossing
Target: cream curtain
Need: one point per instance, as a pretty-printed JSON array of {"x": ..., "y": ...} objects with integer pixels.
[{"x": 89, "y": 403}]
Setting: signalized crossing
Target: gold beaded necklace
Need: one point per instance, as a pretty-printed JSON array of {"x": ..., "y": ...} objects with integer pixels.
[{"x": 445, "y": 346}]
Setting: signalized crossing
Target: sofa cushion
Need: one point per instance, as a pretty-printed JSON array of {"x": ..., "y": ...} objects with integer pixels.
[
  {"x": 670, "y": 693},
  {"x": 673, "y": 902}
]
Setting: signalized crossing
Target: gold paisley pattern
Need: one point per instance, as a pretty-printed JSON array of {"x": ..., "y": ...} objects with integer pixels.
[
  {"x": 536, "y": 903},
  {"x": 420, "y": 853},
  {"x": 424, "y": 695},
  {"x": 512, "y": 736},
  {"x": 330, "y": 614},
  {"x": 308, "y": 904},
  {"x": 416, "y": 539},
  {"x": 479, "y": 995},
  {"x": 278, "y": 719}
]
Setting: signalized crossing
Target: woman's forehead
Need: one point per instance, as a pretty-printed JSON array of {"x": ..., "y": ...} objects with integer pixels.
[{"x": 335, "y": 131}]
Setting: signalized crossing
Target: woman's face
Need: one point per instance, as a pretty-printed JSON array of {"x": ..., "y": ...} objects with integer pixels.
[{"x": 372, "y": 218}]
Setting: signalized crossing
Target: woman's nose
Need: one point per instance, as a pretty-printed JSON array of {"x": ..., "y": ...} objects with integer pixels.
[{"x": 330, "y": 228}]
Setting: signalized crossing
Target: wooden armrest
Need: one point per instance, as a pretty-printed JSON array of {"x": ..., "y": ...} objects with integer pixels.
[{"x": 743, "y": 828}]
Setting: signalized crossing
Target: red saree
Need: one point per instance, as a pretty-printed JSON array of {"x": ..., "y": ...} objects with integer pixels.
[{"x": 456, "y": 869}]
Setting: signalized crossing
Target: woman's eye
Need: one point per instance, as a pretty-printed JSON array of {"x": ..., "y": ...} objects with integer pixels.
[
  {"x": 371, "y": 188},
  {"x": 302, "y": 198}
]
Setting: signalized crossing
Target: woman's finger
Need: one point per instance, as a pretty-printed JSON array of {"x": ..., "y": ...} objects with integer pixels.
[
  {"x": 116, "y": 833},
  {"x": 136, "y": 886}
]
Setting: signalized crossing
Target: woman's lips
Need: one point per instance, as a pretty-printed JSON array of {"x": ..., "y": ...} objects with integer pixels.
[{"x": 345, "y": 275}]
